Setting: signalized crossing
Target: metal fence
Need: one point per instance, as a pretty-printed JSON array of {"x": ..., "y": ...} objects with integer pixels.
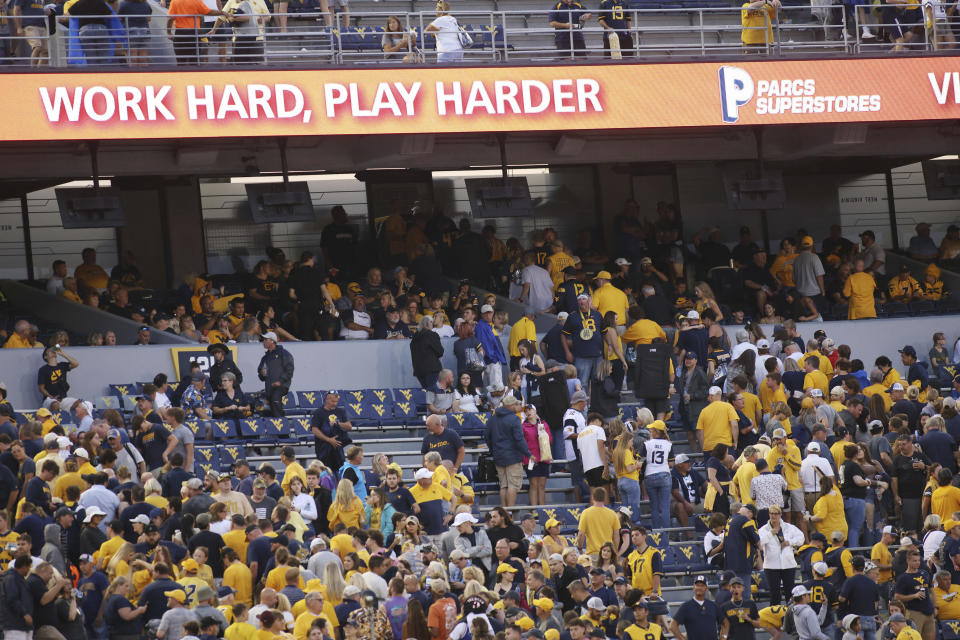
[{"x": 484, "y": 36}]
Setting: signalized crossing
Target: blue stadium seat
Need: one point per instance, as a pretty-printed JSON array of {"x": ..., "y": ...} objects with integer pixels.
[
  {"x": 276, "y": 427},
  {"x": 63, "y": 417},
  {"x": 418, "y": 396},
  {"x": 224, "y": 429},
  {"x": 405, "y": 410},
  {"x": 896, "y": 310},
  {"x": 377, "y": 411},
  {"x": 207, "y": 458},
  {"x": 309, "y": 399},
  {"x": 300, "y": 427},
  {"x": 198, "y": 428},
  {"x": 107, "y": 402},
  {"x": 356, "y": 396},
  {"x": 128, "y": 389},
  {"x": 369, "y": 38},
  {"x": 469, "y": 424},
  {"x": 129, "y": 403},
  {"x": 691, "y": 556},
  {"x": 658, "y": 539},
  {"x": 701, "y": 523},
  {"x": 20, "y": 418},
  {"x": 251, "y": 428},
  {"x": 381, "y": 396},
  {"x": 922, "y": 307},
  {"x": 230, "y": 454},
  {"x": 289, "y": 402},
  {"x": 950, "y": 629}
]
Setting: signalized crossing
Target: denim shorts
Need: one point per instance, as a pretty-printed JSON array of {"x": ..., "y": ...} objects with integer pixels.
[{"x": 139, "y": 37}]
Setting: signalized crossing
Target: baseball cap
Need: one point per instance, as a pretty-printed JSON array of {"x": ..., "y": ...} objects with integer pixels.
[
  {"x": 506, "y": 567},
  {"x": 799, "y": 591},
  {"x": 693, "y": 315},
  {"x": 646, "y": 260},
  {"x": 549, "y": 524},
  {"x": 269, "y": 335},
  {"x": 563, "y": 315},
  {"x": 816, "y": 393},
  {"x": 578, "y": 396},
  {"x": 86, "y": 557},
  {"x": 736, "y": 580},
  {"x": 62, "y": 511},
  {"x": 81, "y": 453},
  {"x": 225, "y": 591},
  {"x": 896, "y": 386},
  {"x": 727, "y": 576},
  {"x": 141, "y": 518},
  {"x": 888, "y": 529},
  {"x": 681, "y": 458},
  {"x": 486, "y": 309},
  {"x": 555, "y": 557},
  {"x": 350, "y": 591},
  {"x": 640, "y": 604},
  {"x": 43, "y": 412},
  {"x": 621, "y": 262},
  {"x": 509, "y": 401},
  {"x": 583, "y": 296},
  {"x": 463, "y": 518},
  {"x": 806, "y": 241},
  {"x": 596, "y": 604},
  {"x": 422, "y": 474},
  {"x": 691, "y": 355},
  {"x": 897, "y": 617},
  {"x": 177, "y": 594},
  {"x": 813, "y": 447},
  {"x": 906, "y": 541},
  {"x": 544, "y": 603},
  {"x": 779, "y": 434},
  {"x": 819, "y": 536},
  {"x": 190, "y": 565},
  {"x": 874, "y": 425},
  {"x": 763, "y": 344},
  {"x": 113, "y": 433},
  {"x": 605, "y": 275},
  {"x": 909, "y": 350},
  {"x": 700, "y": 578},
  {"x": 821, "y": 568}
]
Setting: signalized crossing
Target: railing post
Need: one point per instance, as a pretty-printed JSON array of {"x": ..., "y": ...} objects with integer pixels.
[
  {"x": 506, "y": 48},
  {"x": 703, "y": 41}
]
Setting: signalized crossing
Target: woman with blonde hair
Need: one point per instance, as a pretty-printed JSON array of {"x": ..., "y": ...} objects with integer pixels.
[
  {"x": 154, "y": 494},
  {"x": 346, "y": 507},
  {"x": 441, "y": 325},
  {"x": 706, "y": 300},
  {"x": 412, "y": 535},
  {"x": 473, "y": 575},
  {"x": 119, "y": 615},
  {"x": 333, "y": 584},
  {"x": 118, "y": 565},
  {"x": 627, "y": 468}
]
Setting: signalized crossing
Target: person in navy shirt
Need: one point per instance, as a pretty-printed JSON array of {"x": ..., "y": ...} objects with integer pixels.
[
  {"x": 567, "y": 17},
  {"x": 916, "y": 372},
  {"x": 699, "y": 615},
  {"x": 583, "y": 342},
  {"x": 599, "y": 589},
  {"x": 565, "y": 295},
  {"x": 616, "y": 23}
]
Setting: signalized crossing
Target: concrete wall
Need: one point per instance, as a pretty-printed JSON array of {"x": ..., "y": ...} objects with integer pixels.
[{"x": 371, "y": 364}]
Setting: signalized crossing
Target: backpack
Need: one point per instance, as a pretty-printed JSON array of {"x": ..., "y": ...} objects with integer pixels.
[
  {"x": 942, "y": 556},
  {"x": 789, "y": 624}
]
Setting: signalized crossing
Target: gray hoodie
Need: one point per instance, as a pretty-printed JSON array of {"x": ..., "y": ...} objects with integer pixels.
[
  {"x": 51, "y": 552},
  {"x": 807, "y": 622}
]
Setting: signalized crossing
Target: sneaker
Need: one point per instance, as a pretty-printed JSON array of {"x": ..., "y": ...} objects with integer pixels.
[
  {"x": 844, "y": 35},
  {"x": 867, "y": 34}
]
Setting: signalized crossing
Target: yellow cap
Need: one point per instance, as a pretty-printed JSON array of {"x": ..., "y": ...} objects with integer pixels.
[
  {"x": 658, "y": 425},
  {"x": 524, "y": 623},
  {"x": 177, "y": 594},
  {"x": 551, "y": 634},
  {"x": 552, "y": 522},
  {"x": 190, "y": 565},
  {"x": 498, "y": 604},
  {"x": 506, "y": 566},
  {"x": 544, "y": 603},
  {"x": 932, "y": 270},
  {"x": 806, "y": 241},
  {"x": 604, "y": 274}
]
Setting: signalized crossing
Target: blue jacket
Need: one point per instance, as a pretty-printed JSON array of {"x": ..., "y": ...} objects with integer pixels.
[
  {"x": 386, "y": 518},
  {"x": 504, "y": 437},
  {"x": 17, "y": 602},
  {"x": 279, "y": 366},
  {"x": 492, "y": 347}
]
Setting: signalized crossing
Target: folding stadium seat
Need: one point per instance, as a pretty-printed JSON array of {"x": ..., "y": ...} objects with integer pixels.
[
  {"x": 896, "y": 310},
  {"x": 129, "y": 389},
  {"x": 300, "y": 427},
  {"x": 367, "y": 38},
  {"x": 289, "y": 402},
  {"x": 276, "y": 428},
  {"x": 198, "y": 428},
  {"x": 376, "y": 411},
  {"x": 701, "y": 523},
  {"x": 230, "y": 454},
  {"x": 20, "y": 418},
  {"x": 207, "y": 458},
  {"x": 309, "y": 399},
  {"x": 251, "y": 428},
  {"x": 357, "y": 396},
  {"x": 405, "y": 411},
  {"x": 107, "y": 402},
  {"x": 382, "y": 396},
  {"x": 921, "y": 307},
  {"x": 63, "y": 417},
  {"x": 417, "y": 395},
  {"x": 481, "y": 419},
  {"x": 950, "y": 629},
  {"x": 129, "y": 403},
  {"x": 224, "y": 429},
  {"x": 691, "y": 556}
]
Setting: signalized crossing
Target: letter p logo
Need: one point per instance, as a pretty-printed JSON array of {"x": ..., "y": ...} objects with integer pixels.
[{"x": 736, "y": 90}]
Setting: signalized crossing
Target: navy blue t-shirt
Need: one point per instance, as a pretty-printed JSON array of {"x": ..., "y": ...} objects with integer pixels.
[
  {"x": 259, "y": 551},
  {"x": 577, "y": 322},
  {"x": 447, "y": 444},
  {"x": 152, "y": 596},
  {"x": 92, "y": 595},
  {"x": 115, "y": 624},
  {"x": 153, "y": 442},
  {"x": 402, "y": 500},
  {"x": 699, "y": 619},
  {"x": 131, "y": 8},
  {"x": 861, "y": 594},
  {"x": 940, "y": 447},
  {"x": 695, "y": 340},
  {"x": 911, "y": 583}
]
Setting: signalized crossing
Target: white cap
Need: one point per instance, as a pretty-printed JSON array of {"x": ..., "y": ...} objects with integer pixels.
[
  {"x": 620, "y": 262},
  {"x": 81, "y": 453},
  {"x": 422, "y": 474},
  {"x": 50, "y": 437},
  {"x": 827, "y": 344},
  {"x": 464, "y": 517},
  {"x": 814, "y": 447},
  {"x": 779, "y": 434},
  {"x": 316, "y": 542},
  {"x": 351, "y": 591},
  {"x": 896, "y": 386},
  {"x": 269, "y": 335},
  {"x": 142, "y": 519},
  {"x": 905, "y": 541},
  {"x": 563, "y": 315},
  {"x": 87, "y": 406},
  {"x": 94, "y": 511},
  {"x": 836, "y": 391},
  {"x": 625, "y": 510},
  {"x": 596, "y": 604},
  {"x": 486, "y": 309},
  {"x": 63, "y": 442},
  {"x": 681, "y": 458},
  {"x": 817, "y": 392},
  {"x": 799, "y": 591},
  {"x": 868, "y": 567},
  {"x": 714, "y": 391},
  {"x": 693, "y": 315},
  {"x": 821, "y": 568},
  {"x": 763, "y": 343},
  {"x": 888, "y": 529}
]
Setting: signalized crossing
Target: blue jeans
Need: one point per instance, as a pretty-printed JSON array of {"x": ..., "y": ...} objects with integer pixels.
[
  {"x": 95, "y": 43},
  {"x": 855, "y": 509},
  {"x": 586, "y": 369},
  {"x": 658, "y": 488},
  {"x": 630, "y": 495},
  {"x": 868, "y": 627}
]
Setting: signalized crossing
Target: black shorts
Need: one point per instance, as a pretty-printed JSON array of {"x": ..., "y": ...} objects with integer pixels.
[
  {"x": 540, "y": 470},
  {"x": 594, "y": 477},
  {"x": 657, "y": 405}
]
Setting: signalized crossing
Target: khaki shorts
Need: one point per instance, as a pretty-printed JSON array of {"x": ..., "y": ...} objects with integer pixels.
[
  {"x": 795, "y": 503},
  {"x": 36, "y": 38},
  {"x": 511, "y": 477},
  {"x": 926, "y": 625}
]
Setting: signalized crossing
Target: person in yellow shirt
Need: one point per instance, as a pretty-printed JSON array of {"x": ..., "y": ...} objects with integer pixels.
[
  {"x": 70, "y": 478},
  {"x": 898, "y": 625},
  {"x": 786, "y": 454},
  {"x": 90, "y": 275},
  {"x": 642, "y": 628},
  {"x": 876, "y": 388},
  {"x": 642, "y": 330},
  {"x": 22, "y": 337},
  {"x": 109, "y": 548},
  {"x": 314, "y": 603},
  {"x": 828, "y": 515},
  {"x": 823, "y": 362},
  {"x": 607, "y": 297},
  {"x": 782, "y": 267},
  {"x": 946, "y": 597},
  {"x": 814, "y": 378},
  {"x": 293, "y": 469},
  {"x": 718, "y": 423},
  {"x": 757, "y": 20},
  {"x": 904, "y": 287},
  {"x": 644, "y": 564},
  {"x": 523, "y": 329},
  {"x": 191, "y": 581},
  {"x": 558, "y": 261},
  {"x": 945, "y": 500},
  {"x": 932, "y": 284},
  {"x": 598, "y": 524},
  {"x": 751, "y": 403},
  {"x": 346, "y": 507},
  {"x": 881, "y": 557},
  {"x": 771, "y": 392},
  {"x": 236, "y": 538},
  {"x": 237, "y": 576},
  {"x": 240, "y": 629},
  {"x": 859, "y": 290}
]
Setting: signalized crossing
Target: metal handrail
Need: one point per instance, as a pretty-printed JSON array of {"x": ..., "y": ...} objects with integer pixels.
[{"x": 306, "y": 38}]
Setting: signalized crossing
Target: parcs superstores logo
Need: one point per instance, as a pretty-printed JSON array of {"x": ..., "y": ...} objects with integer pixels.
[{"x": 782, "y": 96}]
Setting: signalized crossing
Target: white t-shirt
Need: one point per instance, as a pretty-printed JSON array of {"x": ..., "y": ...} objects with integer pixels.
[
  {"x": 738, "y": 350},
  {"x": 808, "y": 471},
  {"x": 361, "y": 318},
  {"x": 448, "y": 34},
  {"x": 573, "y": 423},
  {"x": 658, "y": 452},
  {"x": 446, "y": 331},
  {"x": 760, "y": 371},
  {"x": 540, "y": 296},
  {"x": 587, "y": 441},
  {"x": 468, "y": 402}
]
